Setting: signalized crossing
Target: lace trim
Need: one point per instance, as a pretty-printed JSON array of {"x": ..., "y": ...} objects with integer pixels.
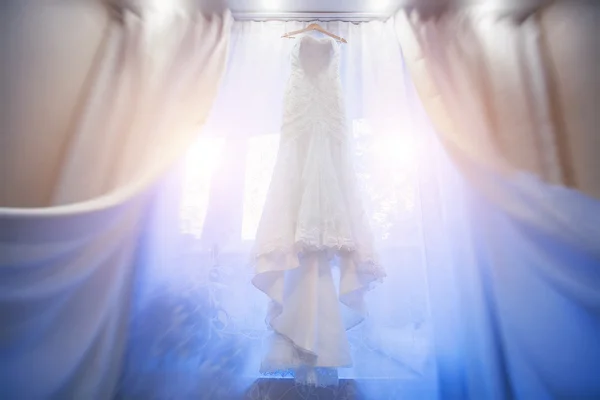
[{"x": 366, "y": 264}]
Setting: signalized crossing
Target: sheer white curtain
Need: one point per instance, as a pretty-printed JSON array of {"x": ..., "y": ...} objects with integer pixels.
[
  {"x": 199, "y": 322},
  {"x": 82, "y": 144}
]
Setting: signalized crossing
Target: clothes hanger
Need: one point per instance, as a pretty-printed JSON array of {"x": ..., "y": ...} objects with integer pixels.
[{"x": 313, "y": 27}]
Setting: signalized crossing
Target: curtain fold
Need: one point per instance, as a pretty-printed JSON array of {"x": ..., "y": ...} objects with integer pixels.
[
  {"x": 135, "y": 91},
  {"x": 66, "y": 267},
  {"x": 500, "y": 87}
]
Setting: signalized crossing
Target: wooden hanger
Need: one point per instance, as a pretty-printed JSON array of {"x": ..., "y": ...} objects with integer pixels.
[{"x": 313, "y": 27}]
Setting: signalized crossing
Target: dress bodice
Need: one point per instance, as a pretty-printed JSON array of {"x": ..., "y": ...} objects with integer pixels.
[
  {"x": 314, "y": 101},
  {"x": 316, "y": 57}
]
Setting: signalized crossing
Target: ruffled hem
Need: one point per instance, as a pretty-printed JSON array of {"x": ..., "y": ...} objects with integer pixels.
[
  {"x": 278, "y": 258},
  {"x": 302, "y": 344}
]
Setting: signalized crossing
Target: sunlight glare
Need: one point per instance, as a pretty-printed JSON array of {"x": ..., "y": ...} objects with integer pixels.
[
  {"x": 398, "y": 150},
  {"x": 272, "y": 5},
  {"x": 380, "y": 5},
  {"x": 262, "y": 154},
  {"x": 200, "y": 163}
]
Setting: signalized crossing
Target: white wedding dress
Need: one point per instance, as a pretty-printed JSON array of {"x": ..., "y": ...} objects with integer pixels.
[{"x": 313, "y": 221}]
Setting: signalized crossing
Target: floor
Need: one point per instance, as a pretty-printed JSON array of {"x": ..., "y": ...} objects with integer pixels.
[{"x": 285, "y": 389}]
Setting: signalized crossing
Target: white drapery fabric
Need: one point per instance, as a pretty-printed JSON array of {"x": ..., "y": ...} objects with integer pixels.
[
  {"x": 512, "y": 87},
  {"x": 122, "y": 84},
  {"x": 511, "y": 92},
  {"x": 198, "y": 319},
  {"x": 76, "y": 167}
]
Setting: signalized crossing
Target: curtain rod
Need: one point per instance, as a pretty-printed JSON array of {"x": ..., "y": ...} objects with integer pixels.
[{"x": 309, "y": 16}]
